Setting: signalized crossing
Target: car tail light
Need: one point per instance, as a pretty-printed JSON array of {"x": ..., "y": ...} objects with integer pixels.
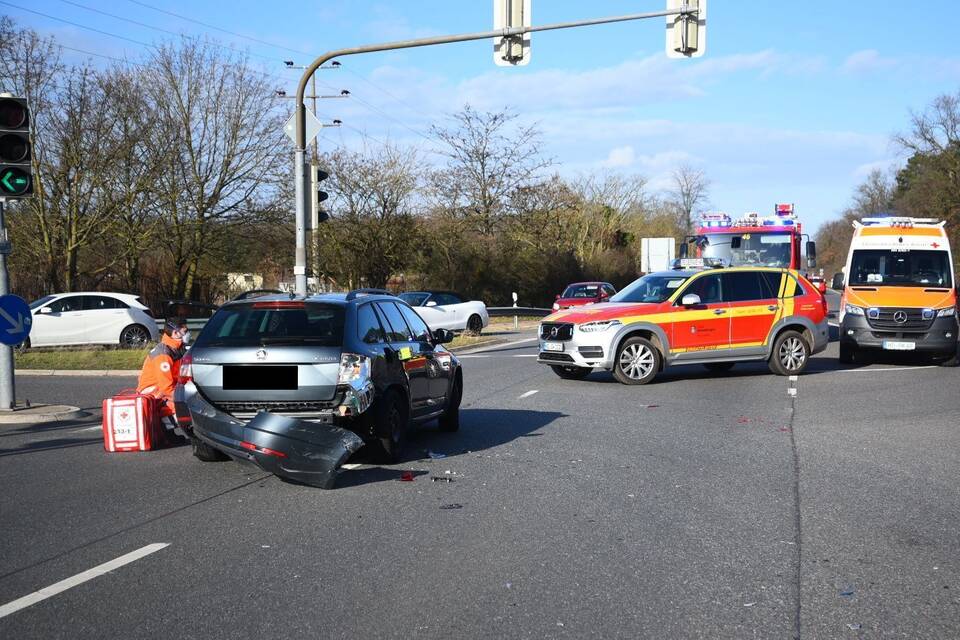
[
  {"x": 186, "y": 369},
  {"x": 249, "y": 446},
  {"x": 280, "y": 304}
]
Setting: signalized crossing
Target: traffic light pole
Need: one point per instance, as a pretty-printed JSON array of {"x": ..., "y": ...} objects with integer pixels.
[
  {"x": 7, "y": 392},
  {"x": 300, "y": 265}
]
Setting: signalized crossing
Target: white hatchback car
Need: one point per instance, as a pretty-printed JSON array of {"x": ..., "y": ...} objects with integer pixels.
[{"x": 91, "y": 318}]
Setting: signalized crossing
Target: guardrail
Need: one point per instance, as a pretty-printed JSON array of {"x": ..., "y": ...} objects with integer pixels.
[{"x": 500, "y": 312}]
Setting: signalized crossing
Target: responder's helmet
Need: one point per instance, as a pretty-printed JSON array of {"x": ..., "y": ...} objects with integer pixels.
[{"x": 173, "y": 324}]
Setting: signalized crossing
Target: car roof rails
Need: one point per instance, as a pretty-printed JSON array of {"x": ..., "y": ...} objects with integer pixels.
[{"x": 367, "y": 292}]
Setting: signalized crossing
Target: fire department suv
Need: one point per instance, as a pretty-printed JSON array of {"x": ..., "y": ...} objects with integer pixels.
[
  {"x": 714, "y": 317},
  {"x": 898, "y": 290}
]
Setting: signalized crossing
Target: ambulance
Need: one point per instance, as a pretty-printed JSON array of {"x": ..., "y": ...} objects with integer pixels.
[{"x": 899, "y": 290}]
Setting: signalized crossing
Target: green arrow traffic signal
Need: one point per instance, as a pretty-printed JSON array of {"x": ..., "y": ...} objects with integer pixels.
[{"x": 14, "y": 181}]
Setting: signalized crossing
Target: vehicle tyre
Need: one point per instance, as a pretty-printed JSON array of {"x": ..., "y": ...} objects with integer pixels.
[
  {"x": 450, "y": 420},
  {"x": 391, "y": 422},
  {"x": 571, "y": 373},
  {"x": 135, "y": 336},
  {"x": 848, "y": 354},
  {"x": 474, "y": 325},
  {"x": 637, "y": 361},
  {"x": 203, "y": 451},
  {"x": 719, "y": 367},
  {"x": 790, "y": 354}
]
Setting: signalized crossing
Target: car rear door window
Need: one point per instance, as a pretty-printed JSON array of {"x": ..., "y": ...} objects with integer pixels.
[
  {"x": 368, "y": 325},
  {"x": 397, "y": 329},
  {"x": 421, "y": 332},
  {"x": 743, "y": 286},
  {"x": 97, "y": 303}
]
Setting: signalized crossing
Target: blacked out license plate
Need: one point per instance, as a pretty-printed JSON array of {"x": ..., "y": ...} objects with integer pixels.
[{"x": 259, "y": 377}]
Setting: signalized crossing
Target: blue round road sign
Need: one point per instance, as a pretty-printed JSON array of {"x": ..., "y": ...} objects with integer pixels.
[{"x": 15, "y": 319}]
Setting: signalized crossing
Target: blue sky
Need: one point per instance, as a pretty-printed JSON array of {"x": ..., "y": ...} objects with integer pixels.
[{"x": 793, "y": 101}]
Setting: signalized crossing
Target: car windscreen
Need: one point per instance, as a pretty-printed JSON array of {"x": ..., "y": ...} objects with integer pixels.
[
  {"x": 902, "y": 268},
  {"x": 650, "y": 288},
  {"x": 270, "y": 322},
  {"x": 39, "y": 302},
  {"x": 760, "y": 249},
  {"x": 414, "y": 299},
  {"x": 581, "y": 291}
]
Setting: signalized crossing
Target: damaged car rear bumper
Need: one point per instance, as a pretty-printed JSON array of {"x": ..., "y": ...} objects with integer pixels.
[{"x": 308, "y": 451}]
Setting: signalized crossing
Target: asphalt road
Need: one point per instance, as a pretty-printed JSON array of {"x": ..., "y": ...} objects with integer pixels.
[{"x": 700, "y": 506}]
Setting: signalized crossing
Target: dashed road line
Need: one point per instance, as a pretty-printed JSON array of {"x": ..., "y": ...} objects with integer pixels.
[
  {"x": 528, "y": 394},
  {"x": 871, "y": 370},
  {"x": 80, "y": 578}
]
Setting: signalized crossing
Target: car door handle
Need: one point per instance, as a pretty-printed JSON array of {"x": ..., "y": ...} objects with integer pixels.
[
  {"x": 719, "y": 312},
  {"x": 772, "y": 307}
]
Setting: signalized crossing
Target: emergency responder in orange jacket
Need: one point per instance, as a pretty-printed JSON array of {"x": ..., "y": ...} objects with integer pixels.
[{"x": 161, "y": 367}]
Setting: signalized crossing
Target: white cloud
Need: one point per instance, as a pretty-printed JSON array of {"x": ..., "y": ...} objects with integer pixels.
[
  {"x": 619, "y": 157},
  {"x": 866, "y": 61}
]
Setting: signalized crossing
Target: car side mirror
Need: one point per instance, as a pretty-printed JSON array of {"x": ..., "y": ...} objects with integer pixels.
[
  {"x": 442, "y": 336},
  {"x": 431, "y": 303},
  {"x": 822, "y": 286},
  {"x": 45, "y": 310},
  {"x": 837, "y": 281},
  {"x": 811, "y": 254},
  {"x": 690, "y": 300}
]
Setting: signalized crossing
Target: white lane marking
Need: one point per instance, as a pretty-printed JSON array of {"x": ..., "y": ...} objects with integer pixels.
[
  {"x": 868, "y": 370},
  {"x": 351, "y": 466},
  {"x": 793, "y": 378},
  {"x": 792, "y": 391},
  {"x": 528, "y": 394},
  {"x": 96, "y": 428},
  {"x": 80, "y": 578},
  {"x": 526, "y": 355},
  {"x": 501, "y": 346}
]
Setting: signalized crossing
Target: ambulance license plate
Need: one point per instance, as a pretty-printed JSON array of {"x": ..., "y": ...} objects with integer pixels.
[
  {"x": 553, "y": 346},
  {"x": 893, "y": 345}
]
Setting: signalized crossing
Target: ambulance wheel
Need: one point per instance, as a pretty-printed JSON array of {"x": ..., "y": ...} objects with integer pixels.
[
  {"x": 571, "y": 373},
  {"x": 719, "y": 367},
  {"x": 790, "y": 354},
  {"x": 203, "y": 451},
  {"x": 134, "y": 337},
  {"x": 637, "y": 362},
  {"x": 847, "y": 354},
  {"x": 474, "y": 325}
]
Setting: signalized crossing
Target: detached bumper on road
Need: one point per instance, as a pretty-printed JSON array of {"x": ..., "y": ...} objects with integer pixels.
[
  {"x": 939, "y": 338},
  {"x": 298, "y": 450}
]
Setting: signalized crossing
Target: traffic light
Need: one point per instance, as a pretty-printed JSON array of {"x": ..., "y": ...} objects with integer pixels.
[
  {"x": 687, "y": 33},
  {"x": 317, "y": 214},
  {"x": 16, "y": 175},
  {"x": 511, "y": 51}
]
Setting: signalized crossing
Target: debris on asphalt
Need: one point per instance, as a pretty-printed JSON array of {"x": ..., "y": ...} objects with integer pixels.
[
  {"x": 433, "y": 455},
  {"x": 406, "y": 476},
  {"x": 787, "y": 542},
  {"x": 453, "y": 505},
  {"x": 854, "y": 626},
  {"x": 441, "y": 479},
  {"x": 847, "y": 593},
  {"x": 749, "y": 604}
]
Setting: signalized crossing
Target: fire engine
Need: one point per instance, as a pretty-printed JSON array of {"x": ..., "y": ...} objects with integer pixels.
[{"x": 752, "y": 240}]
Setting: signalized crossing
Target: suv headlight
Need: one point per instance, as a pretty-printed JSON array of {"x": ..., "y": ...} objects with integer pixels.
[
  {"x": 853, "y": 310},
  {"x": 353, "y": 367},
  {"x": 946, "y": 313},
  {"x": 601, "y": 325}
]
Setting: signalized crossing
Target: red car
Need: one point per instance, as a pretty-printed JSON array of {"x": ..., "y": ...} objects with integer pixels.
[{"x": 581, "y": 293}]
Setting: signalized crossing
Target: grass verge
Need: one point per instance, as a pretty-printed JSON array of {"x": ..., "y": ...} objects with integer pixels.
[{"x": 90, "y": 359}]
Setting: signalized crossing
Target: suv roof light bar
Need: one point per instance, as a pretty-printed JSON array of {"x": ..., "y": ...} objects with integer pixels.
[
  {"x": 894, "y": 221},
  {"x": 367, "y": 292}
]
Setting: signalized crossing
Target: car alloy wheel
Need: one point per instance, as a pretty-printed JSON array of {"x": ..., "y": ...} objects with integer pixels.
[
  {"x": 135, "y": 336},
  {"x": 637, "y": 361},
  {"x": 792, "y": 353}
]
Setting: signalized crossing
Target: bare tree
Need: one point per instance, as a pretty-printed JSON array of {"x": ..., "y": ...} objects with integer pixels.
[
  {"x": 689, "y": 193},
  {"x": 488, "y": 159},
  {"x": 609, "y": 200},
  {"x": 217, "y": 113}
]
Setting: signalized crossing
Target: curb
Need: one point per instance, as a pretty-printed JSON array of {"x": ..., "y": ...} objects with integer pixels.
[{"x": 65, "y": 412}]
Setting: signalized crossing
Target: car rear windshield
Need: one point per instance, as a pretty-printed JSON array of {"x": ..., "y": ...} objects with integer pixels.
[
  {"x": 268, "y": 322},
  {"x": 903, "y": 268},
  {"x": 650, "y": 288},
  {"x": 582, "y": 291}
]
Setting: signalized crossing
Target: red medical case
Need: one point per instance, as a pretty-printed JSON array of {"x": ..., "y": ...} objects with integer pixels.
[{"x": 131, "y": 422}]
